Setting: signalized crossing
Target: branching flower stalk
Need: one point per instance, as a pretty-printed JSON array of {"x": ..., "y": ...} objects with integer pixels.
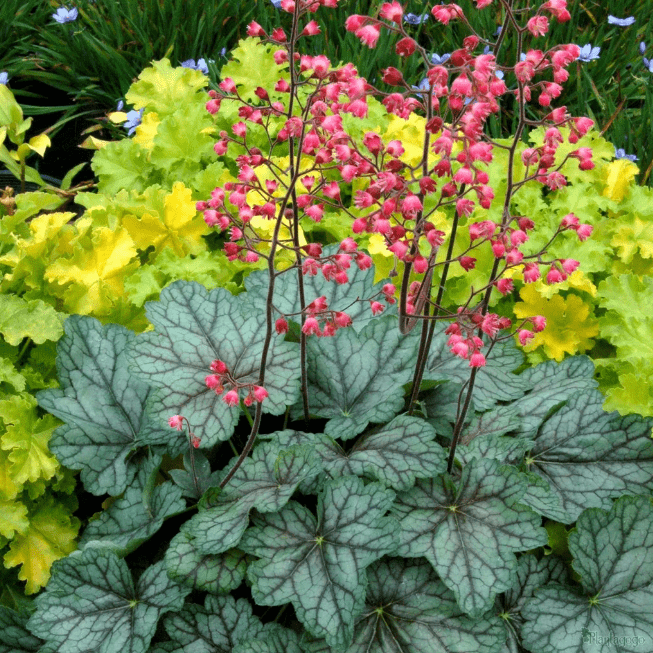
[{"x": 393, "y": 198}]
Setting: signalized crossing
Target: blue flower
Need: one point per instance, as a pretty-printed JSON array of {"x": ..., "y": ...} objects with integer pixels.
[
  {"x": 4, "y": 77},
  {"x": 64, "y": 15},
  {"x": 642, "y": 47},
  {"x": 438, "y": 60},
  {"x": 424, "y": 85},
  {"x": 589, "y": 53},
  {"x": 620, "y": 153},
  {"x": 621, "y": 22},
  {"x": 276, "y": 3},
  {"x": 200, "y": 65},
  {"x": 648, "y": 63},
  {"x": 223, "y": 52},
  {"x": 133, "y": 120},
  {"x": 414, "y": 19},
  {"x": 120, "y": 105}
]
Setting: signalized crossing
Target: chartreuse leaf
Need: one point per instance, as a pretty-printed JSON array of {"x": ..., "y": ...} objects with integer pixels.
[
  {"x": 339, "y": 297},
  {"x": 218, "y": 574},
  {"x": 101, "y": 403},
  {"x": 409, "y": 609},
  {"x": 494, "y": 382},
  {"x": 589, "y": 457},
  {"x": 26, "y": 440},
  {"x": 13, "y": 518},
  {"x": 356, "y": 378},
  {"x": 265, "y": 481},
  {"x": 33, "y": 319},
  {"x": 91, "y": 604},
  {"x": 531, "y": 575},
  {"x": 122, "y": 164},
  {"x": 49, "y": 536},
  {"x": 139, "y": 514},
  {"x": 613, "y": 554},
  {"x": 469, "y": 531},
  {"x": 193, "y": 327},
  {"x": 15, "y": 636},
  {"x": 319, "y": 565}
]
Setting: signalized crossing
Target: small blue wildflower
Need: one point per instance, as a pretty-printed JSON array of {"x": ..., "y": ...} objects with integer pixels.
[
  {"x": 648, "y": 64},
  {"x": 223, "y": 52},
  {"x": 64, "y": 15},
  {"x": 276, "y": 3},
  {"x": 498, "y": 31},
  {"x": 133, "y": 120},
  {"x": 200, "y": 65},
  {"x": 414, "y": 19},
  {"x": 4, "y": 77},
  {"x": 499, "y": 74},
  {"x": 621, "y": 22},
  {"x": 424, "y": 85},
  {"x": 486, "y": 49},
  {"x": 620, "y": 153},
  {"x": 589, "y": 53},
  {"x": 642, "y": 47},
  {"x": 438, "y": 60},
  {"x": 120, "y": 105}
]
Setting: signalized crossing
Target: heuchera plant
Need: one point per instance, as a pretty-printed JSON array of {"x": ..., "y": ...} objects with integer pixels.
[{"x": 403, "y": 508}]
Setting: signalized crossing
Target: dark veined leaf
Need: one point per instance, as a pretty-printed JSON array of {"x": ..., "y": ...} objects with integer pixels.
[
  {"x": 547, "y": 386},
  {"x": 15, "y": 636},
  {"x": 319, "y": 565},
  {"x": 265, "y": 481},
  {"x": 102, "y": 404},
  {"x": 339, "y": 297},
  {"x": 356, "y": 378},
  {"x": 469, "y": 531},
  {"x": 613, "y": 554},
  {"x": 409, "y": 609},
  {"x": 396, "y": 454},
  {"x": 440, "y": 406},
  {"x": 588, "y": 457},
  {"x": 217, "y": 574},
  {"x": 196, "y": 477},
  {"x": 217, "y": 627},
  {"x": 91, "y": 604},
  {"x": 274, "y": 639},
  {"x": 494, "y": 382},
  {"x": 139, "y": 514},
  {"x": 496, "y": 447},
  {"x": 193, "y": 327},
  {"x": 531, "y": 575}
]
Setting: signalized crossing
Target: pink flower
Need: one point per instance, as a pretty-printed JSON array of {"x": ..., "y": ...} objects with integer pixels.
[
  {"x": 584, "y": 231},
  {"x": 420, "y": 264},
  {"x": 477, "y": 360},
  {"x": 195, "y": 441},
  {"x": 176, "y": 422},
  {"x": 311, "y": 326},
  {"x": 213, "y": 382},
  {"x": 405, "y": 47},
  {"x": 538, "y": 25},
  {"x": 399, "y": 249},
  {"x": 554, "y": 276},
  {"x": 311, "y": 29},
  {"x": 395, "y": 148},
  {"x": 218, "y": 366},
  {"x": 260, "y": 393},
  {"x": 363, "y": 261},
  {"x": 377, "y": 307},
  {"x": 531, "y": 272},
  {"x": 231, "y": 398},
  {"x": 392, "y": 11},
  {"x": 445, "y": 13},
  {"x": 227, "y": 85},
  {"x": 467, "y": 262},
  {"x": 348, "y": 245},
  {"x": 354, "y": 23},
  {"x": 369, "y": 35},
  {"x": 504, "y": 286},
  {"x": 539, "y": 323},
  {"x": 525, "y": 336},
  {"x": 281, "y": 326},
  {"x": 569, "y": 265},
  {"x": 342, "y": 319}
]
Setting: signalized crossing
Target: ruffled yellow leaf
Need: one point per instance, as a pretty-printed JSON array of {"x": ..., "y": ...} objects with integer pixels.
[
  {"x": 411, "y": 134},
  {"x": 44, "y": 229},
  {"x": 117, "y": 117},
  {"x": 9, "y": 489},
  {"x": 377, "y": 245},
  {"x": 576, "y": 280},
  {"x": 50, "y": 536},
  {"x": 26, "y": 438},
  {"x": 146, "y": 131},
  {"x": 630, "y": 239},
  {"x": 181, "y": 228},
  {"x": 13, "y": 518},
  {"x": 619, "y": 175},
  {"x": 569, "y": 326},
  {"x": 97, "y": 273}
]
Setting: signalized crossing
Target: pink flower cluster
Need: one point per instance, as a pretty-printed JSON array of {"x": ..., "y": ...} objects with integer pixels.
[
  {"x": 221, "y": 377},
  {"x": 390, "y": 197}
]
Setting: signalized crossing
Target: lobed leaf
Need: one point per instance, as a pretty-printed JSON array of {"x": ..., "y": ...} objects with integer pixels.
[
  {"x": 318, "y": 565},
  {"x": 102, "y": 404},
  {"x": 193, "y": 327},
  {"x": 469, "y": 531}
]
